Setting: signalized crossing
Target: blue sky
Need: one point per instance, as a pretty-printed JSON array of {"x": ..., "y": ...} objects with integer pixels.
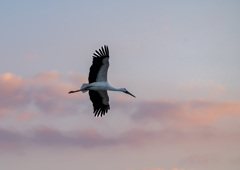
[
  {"x": 180, "y": 59},
  {"x": 162, "y": 42}
]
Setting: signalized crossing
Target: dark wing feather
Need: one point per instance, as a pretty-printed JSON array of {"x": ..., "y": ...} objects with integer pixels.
[
  {"x": 100, "y": 102},
  {"x": 99, "y": 61}
]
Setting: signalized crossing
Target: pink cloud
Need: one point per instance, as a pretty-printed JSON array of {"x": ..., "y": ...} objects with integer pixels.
[
  {"x": 25, "y": 116},
  {"x": 50, "y": 93},
  {"x": 200, "y": 158},
  {"x": 86, "y": 138},
  {"x": 46, "y": 93},
  {"x": 8, "y": 146},
  {"x": 9, "y": 140},
  {"x": 45, "y": 78},
  {"x": 10, "y": 83},
  {"x": 194, "y": 112},
  {"x": 47, "y": 136},
  {"x": 12, "y": 93},
  {"x": 204, "y": 89},
  {"x": 46, "y": 90},
  {"x": 76, "y": 78},
  {"x": 4, "y": 111}
]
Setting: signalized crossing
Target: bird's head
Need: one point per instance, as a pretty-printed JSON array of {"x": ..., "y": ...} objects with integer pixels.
[{"x": 127, "y": 92}]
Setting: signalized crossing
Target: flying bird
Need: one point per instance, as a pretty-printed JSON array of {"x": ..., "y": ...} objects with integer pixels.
[{"x": 98, "y": 84}]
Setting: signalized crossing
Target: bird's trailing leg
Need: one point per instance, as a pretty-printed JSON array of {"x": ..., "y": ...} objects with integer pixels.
[
  {"x": 83, "y": 89},
  {"x": 74, "y": 91}
]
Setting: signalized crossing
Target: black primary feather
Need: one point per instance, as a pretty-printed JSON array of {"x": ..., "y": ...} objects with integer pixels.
[
  {"x": 99, "y": 109},
  {"x": 98, "y": 56}
]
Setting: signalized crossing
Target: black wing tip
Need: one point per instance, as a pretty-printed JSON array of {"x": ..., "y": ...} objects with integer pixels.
[
  {"x": 101, "y": 52},
  {"x": 101, "y": 111}
]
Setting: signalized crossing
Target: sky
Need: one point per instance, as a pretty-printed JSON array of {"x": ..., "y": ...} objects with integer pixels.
[{"x": 179, "y": 58}]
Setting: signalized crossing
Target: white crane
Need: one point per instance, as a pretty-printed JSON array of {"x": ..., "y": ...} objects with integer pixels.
[{"x": 98, "y": 84}]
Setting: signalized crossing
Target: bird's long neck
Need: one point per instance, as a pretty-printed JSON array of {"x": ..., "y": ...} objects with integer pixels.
[{"x": 111, "y": 88}]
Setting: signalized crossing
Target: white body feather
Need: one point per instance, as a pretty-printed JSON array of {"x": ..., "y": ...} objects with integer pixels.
[{"x": 98, "y": 86}]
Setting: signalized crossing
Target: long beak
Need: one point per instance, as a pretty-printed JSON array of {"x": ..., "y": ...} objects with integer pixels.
[{"x": 130, "y": 94}]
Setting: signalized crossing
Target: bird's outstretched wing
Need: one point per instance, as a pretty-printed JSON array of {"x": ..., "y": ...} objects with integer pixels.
[
  {"x": 100, "y": 102},
  {"x": 100, "y": 64}
]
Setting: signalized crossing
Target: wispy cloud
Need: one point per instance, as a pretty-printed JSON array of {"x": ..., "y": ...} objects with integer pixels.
[
  {"x": 46, "y": 136},
  {"x": 45, "y": 91},
  {"x": 193, "y": 112},
  {"x": 12, "y": 92},
  {"x": 157, "y": 121},
  {"x": 25, "y": 116},
  {"x": 204, "y": 88}
]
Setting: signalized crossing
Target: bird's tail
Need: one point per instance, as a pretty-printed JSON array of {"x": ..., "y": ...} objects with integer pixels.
[{"x": 83, "y": 87}]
